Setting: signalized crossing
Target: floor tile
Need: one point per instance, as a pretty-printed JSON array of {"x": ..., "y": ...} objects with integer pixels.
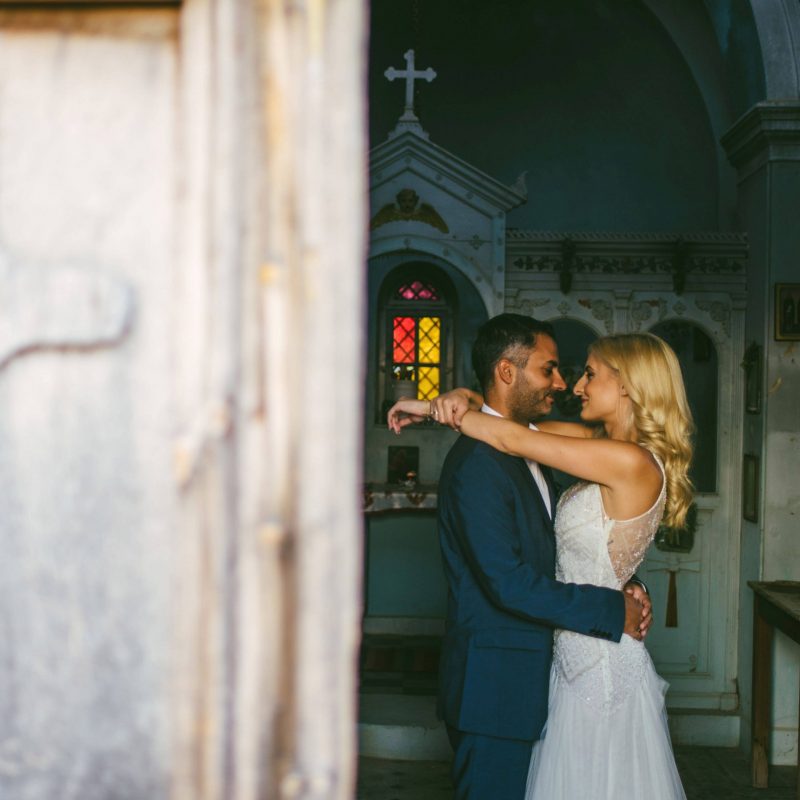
[{"x": 708, "y": 773}]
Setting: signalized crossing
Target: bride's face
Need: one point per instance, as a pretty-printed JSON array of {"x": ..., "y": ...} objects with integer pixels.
[{"x": 602, "y": 397}]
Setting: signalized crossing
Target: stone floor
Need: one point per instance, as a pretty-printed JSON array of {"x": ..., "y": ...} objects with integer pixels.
[{"x": 708, "y": 773}]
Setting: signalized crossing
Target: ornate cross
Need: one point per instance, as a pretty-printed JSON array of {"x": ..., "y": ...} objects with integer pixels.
[{"x": 410, "y": 74}]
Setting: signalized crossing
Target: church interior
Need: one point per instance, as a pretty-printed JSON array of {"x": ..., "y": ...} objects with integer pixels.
[
  {"x": 233, "y": 232},
  {"x": 608, "y": 167}
]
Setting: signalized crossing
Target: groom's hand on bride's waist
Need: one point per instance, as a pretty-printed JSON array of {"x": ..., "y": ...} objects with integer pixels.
[
  {"x": 636, "y": 593},
  {"x": 633, "y": 616}
]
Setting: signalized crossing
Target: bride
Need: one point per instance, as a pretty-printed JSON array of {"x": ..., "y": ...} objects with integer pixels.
[{"x": 606, "y": 734}]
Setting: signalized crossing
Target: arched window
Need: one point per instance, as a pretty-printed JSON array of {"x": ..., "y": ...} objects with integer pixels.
[{"x": 417, "y": 323}]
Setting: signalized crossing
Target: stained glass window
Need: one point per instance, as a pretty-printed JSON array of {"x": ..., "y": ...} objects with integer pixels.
[
  {"x": 416, "y": 352},
  {"x": 417, "y": 316},
  {"x": 417, "y": 290}
]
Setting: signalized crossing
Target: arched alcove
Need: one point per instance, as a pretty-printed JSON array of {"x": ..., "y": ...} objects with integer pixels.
[{"x": 700, "y": 366}]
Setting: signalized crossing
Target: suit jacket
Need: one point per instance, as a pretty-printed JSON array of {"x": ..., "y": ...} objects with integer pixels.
[{"x": 498, "y": 549}]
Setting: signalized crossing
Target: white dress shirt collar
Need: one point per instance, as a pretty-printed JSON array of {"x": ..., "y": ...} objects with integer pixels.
[{"x": 533, "y": 466}]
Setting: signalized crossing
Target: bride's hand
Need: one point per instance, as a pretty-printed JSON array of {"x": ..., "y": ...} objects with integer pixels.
[
  {"x": 449, "y": 408},
  {"x": 446, "y": 409},
  {"x": 407, "y": 411}
]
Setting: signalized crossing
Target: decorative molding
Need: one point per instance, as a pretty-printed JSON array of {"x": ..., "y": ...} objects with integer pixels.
[
  {"x": 409, "y": 152},
  {"x": 602, "y": 237},
  {"x": 476, "y": 242},
  {"x": 520, "y": 185},
  {"x": 719, "y": 311},
  {"x": 408, "y": 208},
  {"x": 602, "y": 310},
  {"x": 619, "y": 256},
  {"x": 642, "y": 310},
  {"x": 487, "y": 283},
  {"x": 526, "y": 306},
  {"x": 627, "y": 254},
  {"x": 769, "y": 131}
]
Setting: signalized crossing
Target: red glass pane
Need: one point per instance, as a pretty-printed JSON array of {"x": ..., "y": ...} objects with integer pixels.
[{"x": 404, "y": 340}]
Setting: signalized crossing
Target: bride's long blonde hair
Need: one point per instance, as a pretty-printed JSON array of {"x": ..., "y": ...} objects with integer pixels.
[{"x": 649, "y": 370}]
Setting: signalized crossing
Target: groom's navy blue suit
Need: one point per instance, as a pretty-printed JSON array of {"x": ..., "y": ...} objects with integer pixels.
[{"x": 498, "y": 549}]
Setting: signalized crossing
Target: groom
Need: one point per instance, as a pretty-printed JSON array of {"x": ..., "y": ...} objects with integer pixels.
[{"x": 496, "y": 534}]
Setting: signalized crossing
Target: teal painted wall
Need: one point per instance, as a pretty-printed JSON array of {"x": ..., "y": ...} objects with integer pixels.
[
  {"x": 591, "y": 97},
  {"x": 404, "y": 574}
]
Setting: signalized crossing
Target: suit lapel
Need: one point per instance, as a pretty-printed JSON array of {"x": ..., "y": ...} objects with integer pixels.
[
  {"x": 551, "y": 486},
  {"x": 538, "y": 499}
]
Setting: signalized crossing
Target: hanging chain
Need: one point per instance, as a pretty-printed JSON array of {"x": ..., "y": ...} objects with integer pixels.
[{"x": 415, "y": 42}]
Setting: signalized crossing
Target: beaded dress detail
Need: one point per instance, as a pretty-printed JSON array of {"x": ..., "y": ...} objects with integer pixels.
[{"x": 606, "y": 734}]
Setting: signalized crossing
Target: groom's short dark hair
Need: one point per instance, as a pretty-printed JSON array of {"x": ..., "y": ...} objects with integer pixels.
[{"x": 508, "y": 336}]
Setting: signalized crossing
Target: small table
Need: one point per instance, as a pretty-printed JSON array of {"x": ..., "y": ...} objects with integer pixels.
[{"x": 777, "y": 605}]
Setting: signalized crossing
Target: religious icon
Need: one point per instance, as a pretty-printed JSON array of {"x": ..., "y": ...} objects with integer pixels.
[
  {"x": 403, "y": 464},
  {"x": 787, "y": 311}
]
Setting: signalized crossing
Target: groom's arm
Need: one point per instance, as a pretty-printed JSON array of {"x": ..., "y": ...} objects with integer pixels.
[{"x": 479, "y": 507}]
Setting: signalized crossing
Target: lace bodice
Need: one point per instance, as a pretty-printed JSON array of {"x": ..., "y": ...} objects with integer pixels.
[{"x": 591, "y": 548}]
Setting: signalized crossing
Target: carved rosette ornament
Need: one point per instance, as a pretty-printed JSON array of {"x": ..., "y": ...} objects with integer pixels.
[
  {"x": 719, "y": 311},
  {"x": 476, "y": 242},
  {"x": 642, "y": 311},
  {"x": 527, "y": 306},
  {"x": 601, "y": 310}
]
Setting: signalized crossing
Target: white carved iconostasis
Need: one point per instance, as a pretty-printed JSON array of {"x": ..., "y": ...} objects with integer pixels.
[{"x": 690, "y": 291}]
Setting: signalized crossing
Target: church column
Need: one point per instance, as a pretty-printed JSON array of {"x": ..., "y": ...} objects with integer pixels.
[{"x": 764, "y": 146}]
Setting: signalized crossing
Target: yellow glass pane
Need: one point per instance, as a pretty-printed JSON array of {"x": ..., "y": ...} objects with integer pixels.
[
  {"x": 430, "y": 336},
  {"x": 428, "y": 383}
]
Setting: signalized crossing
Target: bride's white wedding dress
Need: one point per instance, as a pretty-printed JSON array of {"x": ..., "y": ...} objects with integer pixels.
[{"x": 606, "y": 734}]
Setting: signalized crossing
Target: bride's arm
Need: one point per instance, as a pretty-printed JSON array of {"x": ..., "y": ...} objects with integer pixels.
[
  {"x": 449, "y": 408},
  {"x": 446, "y": 409},
  {"x": 604, "y": 461},
  {"x": 566, "y": 428}
]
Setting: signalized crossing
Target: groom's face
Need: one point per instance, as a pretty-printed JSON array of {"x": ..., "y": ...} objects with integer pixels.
[{"x": 532, "y": 394}]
